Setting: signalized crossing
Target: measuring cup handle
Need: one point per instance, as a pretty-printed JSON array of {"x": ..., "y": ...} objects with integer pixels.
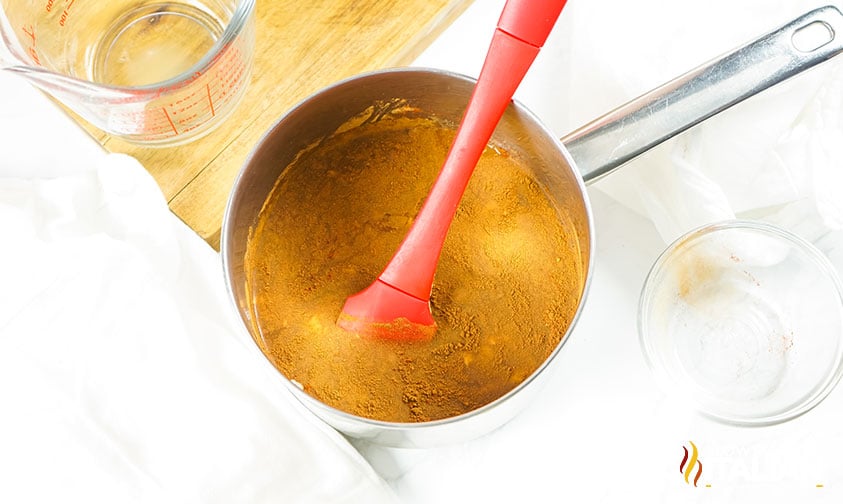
[{"x": 628, "y": 131}]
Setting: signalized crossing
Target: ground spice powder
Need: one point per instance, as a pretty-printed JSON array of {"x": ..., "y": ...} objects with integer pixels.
[{"x": 506, "y": 289}]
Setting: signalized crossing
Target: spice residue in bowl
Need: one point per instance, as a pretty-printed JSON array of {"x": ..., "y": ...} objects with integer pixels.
[{"x": 507, "y": 287}]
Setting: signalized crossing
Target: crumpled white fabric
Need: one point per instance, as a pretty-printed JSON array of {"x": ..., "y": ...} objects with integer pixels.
[
  {"x": 124, "y": 376},
  {"x": 777, "y": 148}
]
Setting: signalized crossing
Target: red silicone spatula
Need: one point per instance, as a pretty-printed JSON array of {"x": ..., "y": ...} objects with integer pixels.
[{"x": 396, "y": 305}]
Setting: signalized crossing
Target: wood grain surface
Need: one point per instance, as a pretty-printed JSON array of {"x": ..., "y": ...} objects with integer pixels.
[{"x": 300, "y": 48}]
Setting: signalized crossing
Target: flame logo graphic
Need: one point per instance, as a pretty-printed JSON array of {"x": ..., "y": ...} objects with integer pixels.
[{"x": 687, "y": 469}]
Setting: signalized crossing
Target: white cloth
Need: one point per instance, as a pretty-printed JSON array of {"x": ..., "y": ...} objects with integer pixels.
[
  {"x": 777, "y": 148},
  {"x": 124, "y": 376}
]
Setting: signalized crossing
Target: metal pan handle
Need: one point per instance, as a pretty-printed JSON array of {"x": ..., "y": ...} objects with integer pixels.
[{"x": 628, "y": 131}]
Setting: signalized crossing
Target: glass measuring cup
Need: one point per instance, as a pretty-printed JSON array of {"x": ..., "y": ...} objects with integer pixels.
[{"x": 151, "y": 72}]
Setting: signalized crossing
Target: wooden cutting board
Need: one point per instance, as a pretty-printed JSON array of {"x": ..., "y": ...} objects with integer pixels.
[{"x": 300, "y": 48}]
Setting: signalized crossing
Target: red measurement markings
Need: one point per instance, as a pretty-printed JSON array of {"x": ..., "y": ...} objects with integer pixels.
[
  {"x": 49, "y": 5},
  {"x": 188, "y": 108},
  {"x": 229, "y": 76},
  {"x": 30, "y": 33},
  {"x": 170, "y": 121},
  {"x": 210, "y": 101},
  {"x": 189, "y": 104},
  {"x": 66, "y": 12}
]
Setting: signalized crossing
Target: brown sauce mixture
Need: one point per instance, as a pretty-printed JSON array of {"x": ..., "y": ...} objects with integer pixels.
[{"x": 506, "y": 289}]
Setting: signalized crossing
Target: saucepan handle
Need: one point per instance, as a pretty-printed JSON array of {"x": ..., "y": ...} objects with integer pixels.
[{"x": 615, "y": 138}]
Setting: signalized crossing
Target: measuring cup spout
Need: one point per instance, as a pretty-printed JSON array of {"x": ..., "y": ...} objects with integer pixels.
[{"x": 62, "y": 86}]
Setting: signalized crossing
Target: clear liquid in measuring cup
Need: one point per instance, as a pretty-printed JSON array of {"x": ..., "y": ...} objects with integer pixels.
[
  {"x": 155, "y": 42},
  {"x": 149, "y": 71}
]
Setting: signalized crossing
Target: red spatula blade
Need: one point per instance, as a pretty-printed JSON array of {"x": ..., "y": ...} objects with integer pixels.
[{"x": 382, "y": 311}]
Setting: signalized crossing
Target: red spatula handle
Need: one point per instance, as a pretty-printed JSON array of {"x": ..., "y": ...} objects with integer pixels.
[
  {"x": 530, "y": 20},
  {"x": 523, "y": 28}
]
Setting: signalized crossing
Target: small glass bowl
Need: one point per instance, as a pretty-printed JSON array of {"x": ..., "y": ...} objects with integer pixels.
[{"x": 744, "y": 321}]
